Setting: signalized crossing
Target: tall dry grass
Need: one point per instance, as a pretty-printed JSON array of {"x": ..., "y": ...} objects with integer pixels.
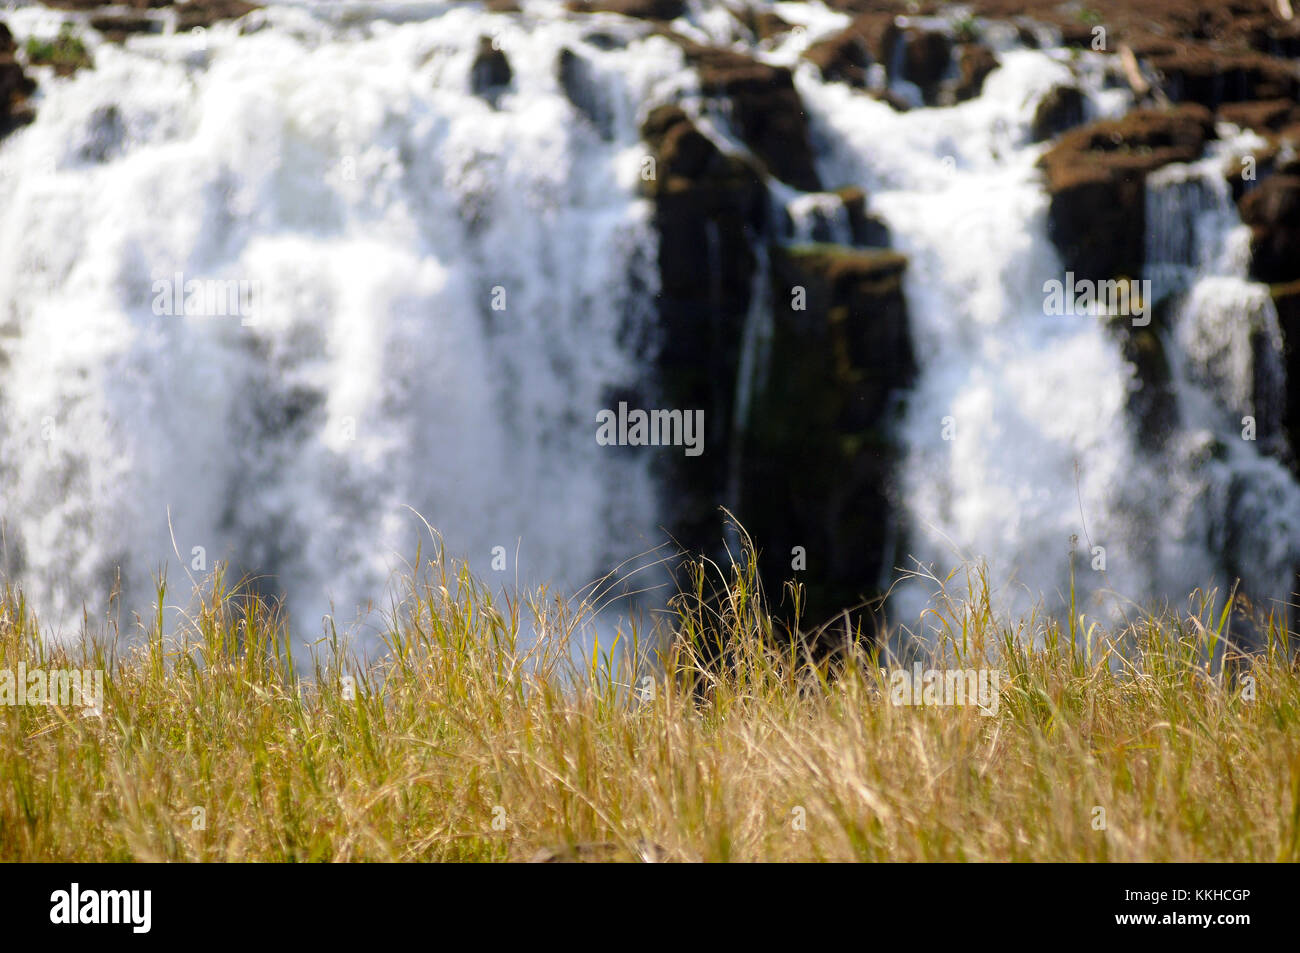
[{"x": 460, "y": 743}]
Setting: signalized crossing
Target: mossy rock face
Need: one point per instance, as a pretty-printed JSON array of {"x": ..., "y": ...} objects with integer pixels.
[
  {"x": 867, "y": 229},
  {"x": 820, "y": 451},
  {"x": 710, "y": 211},
  {"x": 844, "y": 269},
  {"x": 66, "y": 52}
]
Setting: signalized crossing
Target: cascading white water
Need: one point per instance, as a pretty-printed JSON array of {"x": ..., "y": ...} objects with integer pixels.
[
  {"x": 1225, "y": 348},
  {"x": 447, "y": 294},
  {"x": 337, "y": 161},
  {"x": 1018, "y": 444}
]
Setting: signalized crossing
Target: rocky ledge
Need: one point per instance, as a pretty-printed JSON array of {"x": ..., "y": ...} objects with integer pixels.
[
  {"x": 15, "y": 86},
  {"x": 1096, "y": 178},
  {"x": 816, "y": 483}
]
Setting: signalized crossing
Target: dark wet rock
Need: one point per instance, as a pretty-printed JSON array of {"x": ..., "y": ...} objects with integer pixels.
[
  {"x": 765, "y": 111},
  {"x": 86, "y": 5},
  {"x": 15, "y": 86},
  {"x": 710, "y": 212},
  {"x": 1278, "y": 38},
  {"x": 919, "y": 56},
  {"x": 974, "y": 63},
  {"x": 820, "y": 478},
  {"x": 605, "y": 41},
  {"x": 848, "y": 224},
  {"x": 1152, "y": 400},
  {"x": 763, "y": 24},
  {"x": 1286, "y": 298},
  {"x": 1096, "y": 178},
  {"x": 117, "y": 19},
  {"x": 1078, "y": 35},
  {"x": 640, "y": 9},
  {"x": 843, "y": 58},
  {"x": 881, "y": 33},
  {"x": 867, "y": 229},
  {"x": 1197, "y": 75},
  {"x": 1060, "y": 109},
  {"x": 491, "y": 73},
  {"x": 926, "y": 55},
  {"x": 116, "y": 27},
  {"x": 1262, "y": 115},
  {"x": 204, "y": 13},
  {"x": 580, "y": 87},
  {"x": 502, "y": 6},
  {"x": 1272, "y": 210}
]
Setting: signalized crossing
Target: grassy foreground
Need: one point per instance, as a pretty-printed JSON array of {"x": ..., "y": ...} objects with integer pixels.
[{"x": 218, "y": 743}]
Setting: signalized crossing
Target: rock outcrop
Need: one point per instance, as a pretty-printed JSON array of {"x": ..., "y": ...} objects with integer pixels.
[
  {"x": 582, "y": 89},
  {"x": 15, "y": 87},
  {"x": 843, "y": 58},
  {"x": 925, "y": 59},
  {"x": 819, "y": 449},
  {"x": 1096, "y": 177},
  {"x": 118, "y": 18},
  {"x": 815, "y": 450},
  {"x": 762, "y": 24},
  {"x": 1286, "y": 298},
  {"x": 65, "y": 53},
  {"x": 1060, "y": 109},
  {"x": 490, "y": 74},
  {"x": 945, "y": 71},
  {"x": 1272, "y": 210},
  {"x": 710, "y": 215},
  {"x": 974, "y": 63},
  {"x": 640, "y": 9},
  {"x": 764, "y": 109}
]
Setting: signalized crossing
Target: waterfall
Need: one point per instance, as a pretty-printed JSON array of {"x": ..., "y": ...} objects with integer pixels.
[
  {"x": 268, "y": 293},
  {"x": 1226, "y": 356},
  {"x": 1019, "y": 447},
  {"x": 446, "y": 295}
]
